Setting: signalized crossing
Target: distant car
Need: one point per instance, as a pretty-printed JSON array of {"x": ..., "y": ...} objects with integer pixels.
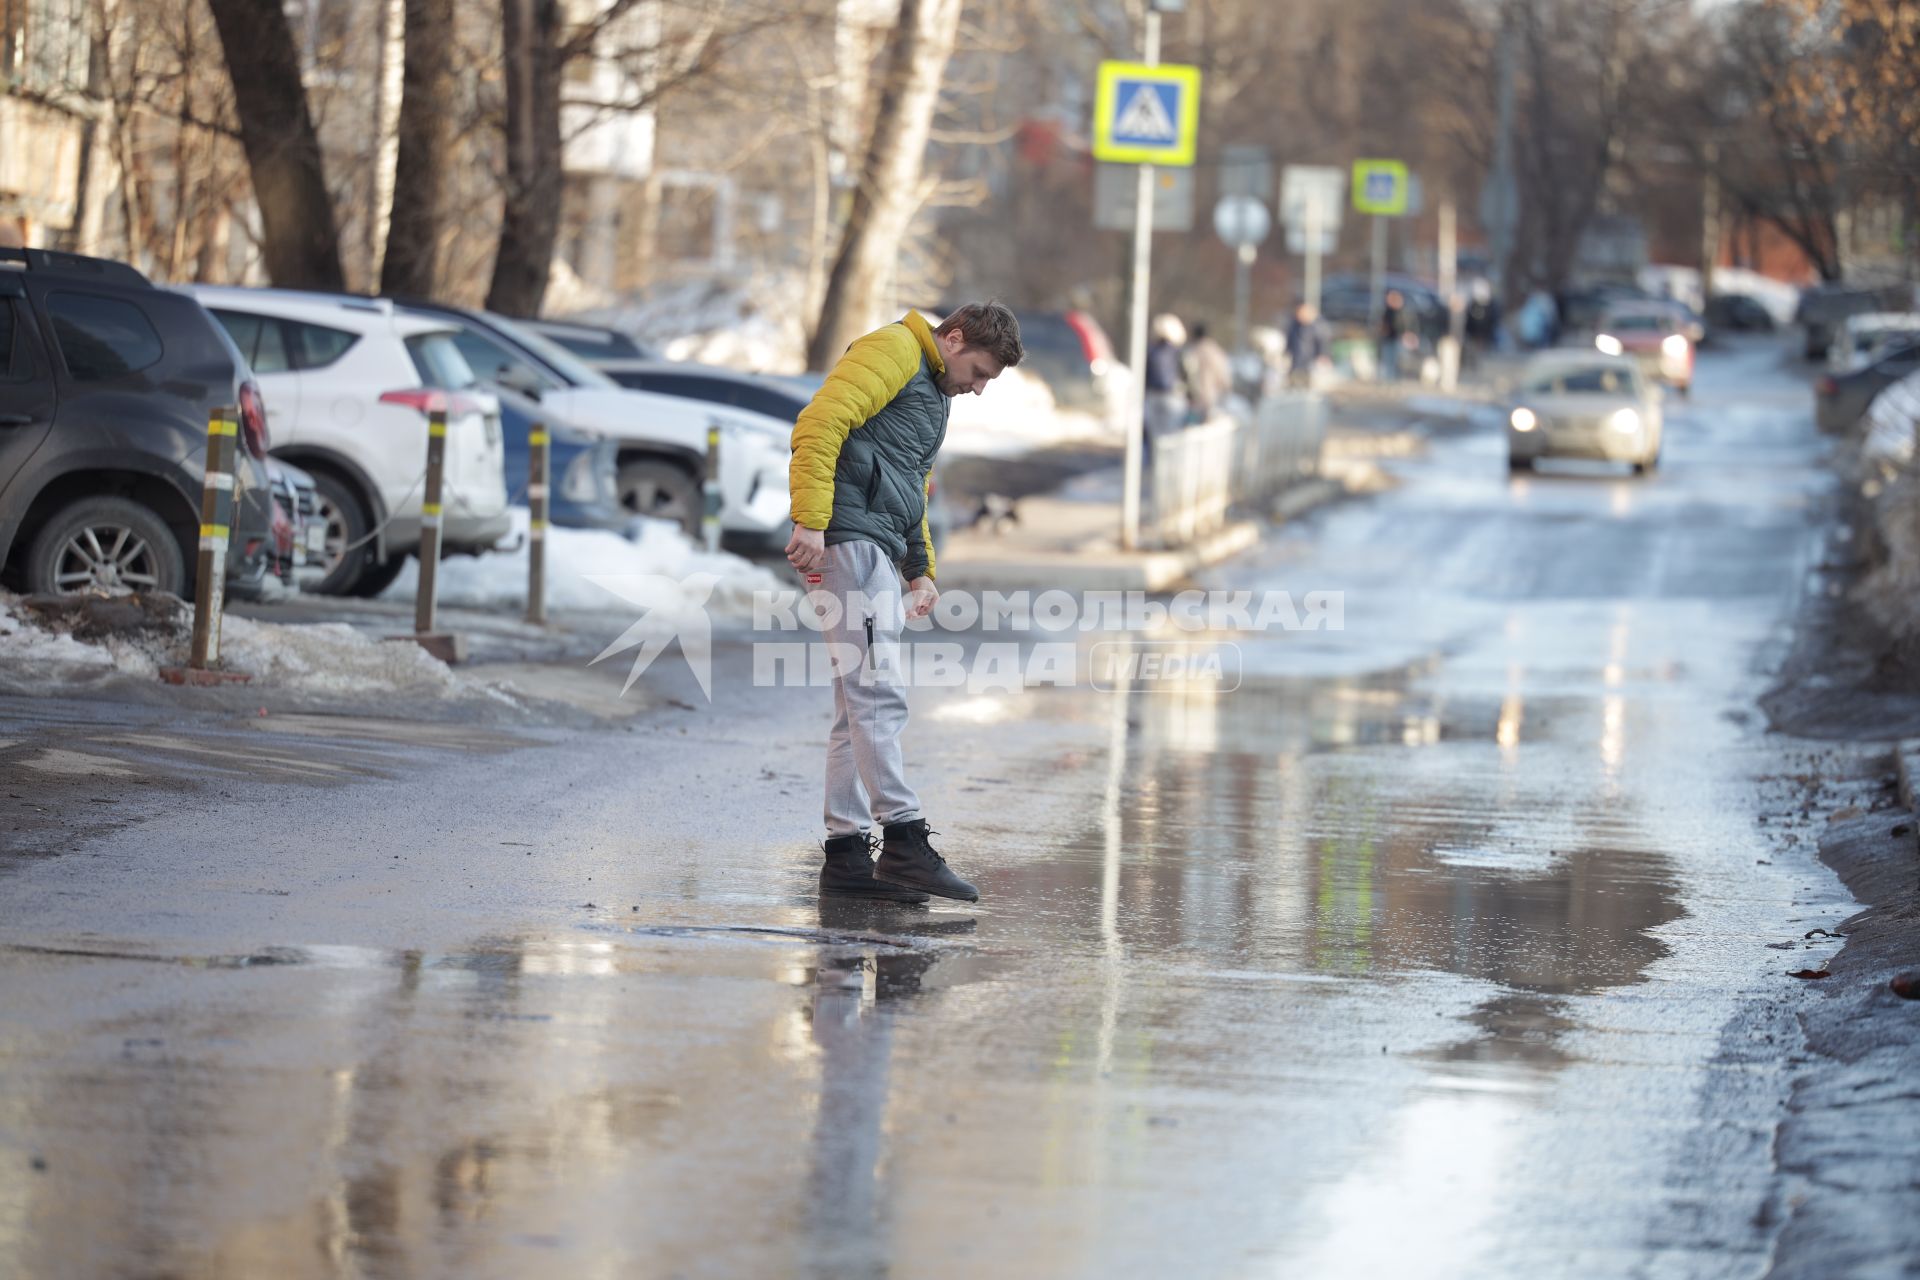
[
  {"x": 1652, "y": 333},
  {"x": 591, "y": 342},
  {"x": 1862, "y": 338},
  {"x": 1346, "y": 301},
  {"x": 106, "y": 387},
  {"x": 1840, "y": 400},
  {"x": 583, "y": 491},
  {"x": 299, "y": 534},
  {"x": 1580, "y": 404},
  {"x": 1738, "y": 313},
  {"x": 1072, "y": 354},
  {"x": 1581, "y": 308},
  {"x": 350, "y": 383},
  {"x": 662, "y": 440},
  {"x": 1824, "y": 308}
]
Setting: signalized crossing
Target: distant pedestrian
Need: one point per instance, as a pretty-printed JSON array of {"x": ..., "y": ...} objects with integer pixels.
[
  {"x": 863, "y": 452},
  {"x": 1393, "y": 321},
  {"x": 1166, "y": 407},
  {"x": 1209, "y": 373},
  {"x": 1483, "y": 321},
  {"x": 1306, "y": 344}
]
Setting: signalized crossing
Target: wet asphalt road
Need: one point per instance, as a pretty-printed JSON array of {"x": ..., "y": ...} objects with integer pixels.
[{"x": 1436, "y": 948}]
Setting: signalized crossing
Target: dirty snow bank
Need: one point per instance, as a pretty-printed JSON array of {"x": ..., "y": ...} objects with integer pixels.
[
  {"x": 660, "y": 568},
  {"x": 88, "y": 641}
]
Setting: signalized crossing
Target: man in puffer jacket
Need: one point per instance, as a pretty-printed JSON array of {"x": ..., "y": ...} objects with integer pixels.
[{"x": 863, "y": 455}]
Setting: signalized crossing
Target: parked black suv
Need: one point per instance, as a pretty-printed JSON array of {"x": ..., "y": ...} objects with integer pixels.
[{"x": 106, "y": 385}]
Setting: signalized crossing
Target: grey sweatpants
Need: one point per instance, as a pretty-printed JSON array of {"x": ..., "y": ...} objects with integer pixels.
[{"x": 866, "y": 777}]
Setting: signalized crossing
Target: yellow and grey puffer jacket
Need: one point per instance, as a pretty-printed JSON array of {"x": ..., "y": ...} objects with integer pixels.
[{"x": 863, "y": 448}]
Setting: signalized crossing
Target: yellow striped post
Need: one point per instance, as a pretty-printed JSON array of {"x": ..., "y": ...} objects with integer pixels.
[
  {"x": 426, "y": 599},
  {"x": 216, "y": 526},
  {"x": 539, "y": 468},
  {"x": 710, "y": 491}
]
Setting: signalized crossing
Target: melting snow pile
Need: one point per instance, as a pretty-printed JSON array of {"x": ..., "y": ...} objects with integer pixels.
[
  {"x": 591, "y": 570},
  {"x": 85, "y": 640}
]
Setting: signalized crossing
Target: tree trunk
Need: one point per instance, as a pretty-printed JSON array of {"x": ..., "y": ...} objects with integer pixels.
[
  {"x": 530, "y": 219},
  {"x": 300, "y": 241},
  {"x": 426, "y": 150},
  {"x": 918, "y": 49}
]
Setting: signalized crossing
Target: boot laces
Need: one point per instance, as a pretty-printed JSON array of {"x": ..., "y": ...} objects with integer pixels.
[{"x": 927, "y": 844}]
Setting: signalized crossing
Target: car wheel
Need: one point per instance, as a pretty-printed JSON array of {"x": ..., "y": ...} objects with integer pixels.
[
  {"x": 379, "y": 577},
  {"x": 340, "y": 565},
  {"x": 1519, "y": 464},
  {"x": 650, "y": 487},
  {"x": 111, "y": 545}
]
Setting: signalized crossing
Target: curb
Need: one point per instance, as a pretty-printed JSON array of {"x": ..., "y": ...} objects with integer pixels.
[
  {"x": 1100, "y": 570},
  {"x": 1907, "y": 757}
]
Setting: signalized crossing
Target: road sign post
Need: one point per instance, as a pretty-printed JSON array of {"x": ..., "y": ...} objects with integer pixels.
[
  {"x": 1311, "y": 198},
  {"x": 1241, "y": 223},
  {"x": 1380, "y": 188},
  {"x": 1148, "y": 115}
]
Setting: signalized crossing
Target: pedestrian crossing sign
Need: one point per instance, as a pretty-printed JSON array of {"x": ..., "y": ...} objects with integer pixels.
[
  {"x": 1146, "y": 115},
  {"x": 1380, "y": 187}
]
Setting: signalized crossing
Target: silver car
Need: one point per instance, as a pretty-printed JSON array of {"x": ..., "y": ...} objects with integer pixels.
[{"x": 1581, "y": 404}]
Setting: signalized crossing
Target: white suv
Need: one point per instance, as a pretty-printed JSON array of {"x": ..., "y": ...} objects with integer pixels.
[
  {"x": 348, "y": 385},
  {"x": 662, "y": 439}
]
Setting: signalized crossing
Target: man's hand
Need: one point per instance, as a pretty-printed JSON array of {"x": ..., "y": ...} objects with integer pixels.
[
  {"x": 921, "y": 595},
  {"x": 807, "y": 549}
]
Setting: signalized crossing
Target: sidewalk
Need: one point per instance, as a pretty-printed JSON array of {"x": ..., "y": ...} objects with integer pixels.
[{"x": 1070, "y": 539}]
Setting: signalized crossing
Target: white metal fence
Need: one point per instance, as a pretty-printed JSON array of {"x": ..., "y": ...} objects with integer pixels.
[{"x": 1201, "y": 473}]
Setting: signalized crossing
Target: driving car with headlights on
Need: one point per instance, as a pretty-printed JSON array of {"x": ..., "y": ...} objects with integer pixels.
[
  {"x": 1578, "y": 404},
  {"x": 1652, "y": 334}
]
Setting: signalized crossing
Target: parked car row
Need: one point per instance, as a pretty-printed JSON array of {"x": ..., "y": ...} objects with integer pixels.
[{"x": 339, "y": 388}]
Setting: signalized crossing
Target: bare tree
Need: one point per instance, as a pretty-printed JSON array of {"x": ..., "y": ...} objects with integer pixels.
[
  {"x": 530, "y": 217},
  {"x": 426, "y": 137},
  {"x": 889, "y": 191},
  {"x": 301, "y": 241}
]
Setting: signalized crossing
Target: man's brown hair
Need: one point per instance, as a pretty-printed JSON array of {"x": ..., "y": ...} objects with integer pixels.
[{"x": 990, "y": 327}]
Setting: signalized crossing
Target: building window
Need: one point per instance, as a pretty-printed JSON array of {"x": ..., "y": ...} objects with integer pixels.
[{"x": 43, "y": 45}]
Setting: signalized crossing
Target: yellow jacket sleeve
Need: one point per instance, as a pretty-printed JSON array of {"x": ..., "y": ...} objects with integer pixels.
[
  {"x": 926, "y": 530},
  {"x": 872, "y": 373}
]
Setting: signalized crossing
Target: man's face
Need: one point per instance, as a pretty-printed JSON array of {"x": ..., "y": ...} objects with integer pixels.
[{"x": 968, "y": 368}]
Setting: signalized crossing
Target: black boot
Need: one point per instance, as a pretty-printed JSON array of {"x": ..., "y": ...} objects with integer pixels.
[
  {"x": 907, "y": 859},
  {"x": 848, "y": 872}
]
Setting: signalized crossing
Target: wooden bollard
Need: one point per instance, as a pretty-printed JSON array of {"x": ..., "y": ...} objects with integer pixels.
[
  {"x": 539, "y": 459},
  {"x": 710, "y": 491},
  {"x": 426, "y": 600},
  {"x": 216, "y": 528}
]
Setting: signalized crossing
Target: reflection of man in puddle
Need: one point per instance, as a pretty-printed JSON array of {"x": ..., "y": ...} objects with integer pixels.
[
  {"x": 855, "y": 998},
  {"x": 862, "y": 469},
  {"x": 845, "y": 1219}
]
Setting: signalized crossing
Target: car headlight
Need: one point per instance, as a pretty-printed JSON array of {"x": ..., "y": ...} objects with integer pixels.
[
  {"x": 758, "y": 432},
  {"x": 1674, "y": 344},
  {"x": 1608, "y": 344},
  {"x": 578, "y": 483},
  {"x": 1523, "y": 419},
  {"x": 1625, "y": 420}
]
